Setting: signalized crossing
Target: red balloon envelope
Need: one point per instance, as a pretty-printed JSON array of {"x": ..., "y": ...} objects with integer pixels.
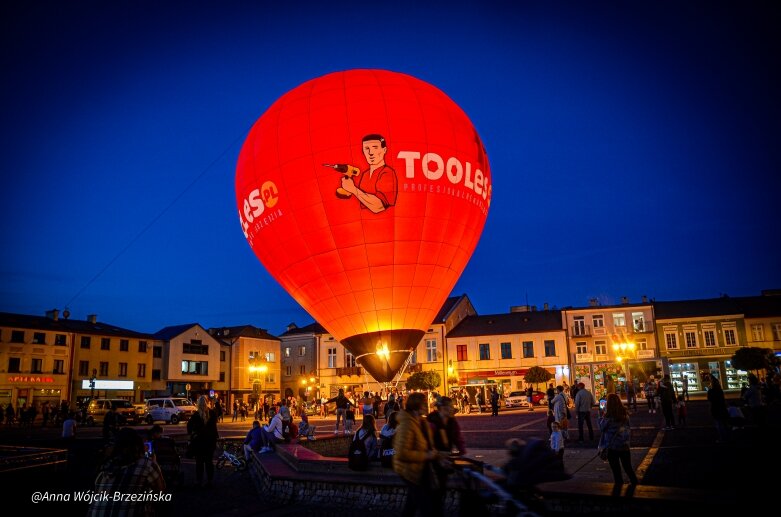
[{"x": 364, "y": 194}]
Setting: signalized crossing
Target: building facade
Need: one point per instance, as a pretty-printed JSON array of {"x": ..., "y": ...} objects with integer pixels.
[{"x": 609, "y": 345}]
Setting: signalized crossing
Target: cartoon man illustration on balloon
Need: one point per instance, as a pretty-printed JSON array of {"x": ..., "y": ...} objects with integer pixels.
[{"x": 376, "y": 188}]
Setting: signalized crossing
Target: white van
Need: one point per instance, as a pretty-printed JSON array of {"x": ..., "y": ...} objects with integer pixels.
[{"x": 169, "y": 409}]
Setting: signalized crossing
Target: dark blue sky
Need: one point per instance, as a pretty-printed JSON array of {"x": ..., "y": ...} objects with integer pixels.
[{"x": 633, "y": 147}]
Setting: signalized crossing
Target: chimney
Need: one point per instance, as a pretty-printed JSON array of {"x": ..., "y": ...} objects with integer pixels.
[
  {"x": 53, "y": 314},
  {"x": 645, "y": 299},
  {"x": 593, "y": 302},
  {"x": 534, "y": 308},
  {"x": 519, "y": 308},
  {"x": 291, "y": 326},
  {"x": 624, "y": 300},
  {"x": 545, "y": 306},
  {"x": 92, "y": 318}
]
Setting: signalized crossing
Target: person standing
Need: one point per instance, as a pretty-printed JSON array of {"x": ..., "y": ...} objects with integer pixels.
[
  {"x": 667, "y": 401},
  {"x": 685, "y": 386},
  {"x": 649, "y": 390},
  {"x": 110, "y": 423},
  {"x": 414, "y": 454},
  {"x": 584, "y": 401},
  {"x": 342, "y": 404},
  {"x": 559, "y": 405},
  {"x": 202, "y": 428},
  {"x": 718, "y": 409},
  {"x": 69, "y": 428},
  {"x": 557, "y": 441},
  {"x": 530, "y": 397},
  {"x": 631, "y": 395},
  {"x": 615, "y": 437},
  {"x": 494, "y": 402}
]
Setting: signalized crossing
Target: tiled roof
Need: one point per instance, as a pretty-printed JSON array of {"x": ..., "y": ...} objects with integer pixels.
[
  {"x": 510, "y": 323},
  {"x": 241, "y": 331},
  {"x": 166, "y": 333},
  {"x": 24, "y": 321},
  {"x": 312, "y": 328},
  {"x": 697, "y": 308},
  {"x": 760, "y": 306},
  {"x": 446, "y": 308}
]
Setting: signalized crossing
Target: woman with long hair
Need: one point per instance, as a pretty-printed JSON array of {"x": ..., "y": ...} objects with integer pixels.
[
  {"x": 368, "y": 433},
  {"x": 615, "y": 438},
  {"x": 202, "y": 428}
]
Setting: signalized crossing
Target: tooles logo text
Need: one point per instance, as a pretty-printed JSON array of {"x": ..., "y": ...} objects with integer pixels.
[{"x": 430, "y": 166}]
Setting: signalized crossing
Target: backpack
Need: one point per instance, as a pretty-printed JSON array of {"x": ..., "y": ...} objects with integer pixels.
[
  {"x": 386, "y": 451},
  {"x": 357, "y": 456}
]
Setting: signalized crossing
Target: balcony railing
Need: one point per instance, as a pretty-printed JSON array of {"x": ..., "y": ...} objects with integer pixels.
[
  {"x": 581, "y": 330},
  {"x": 642, "y": 327},
  {"x": 353, "y": 370}
]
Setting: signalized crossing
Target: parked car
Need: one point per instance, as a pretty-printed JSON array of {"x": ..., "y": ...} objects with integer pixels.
[
  {"x": 169, "y": 409},
  {"x": 141, "y": 412},
  {"x": 97, "y": 409},
  {"x": 518, "y": 399},
  {"x": 311, "y": 408}
]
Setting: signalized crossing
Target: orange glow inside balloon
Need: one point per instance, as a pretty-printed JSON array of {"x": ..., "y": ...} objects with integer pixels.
[{"x": 364, "y": 194}]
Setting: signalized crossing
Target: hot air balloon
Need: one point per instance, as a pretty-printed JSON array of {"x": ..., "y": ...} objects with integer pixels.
[{"x": 364, "y": 194}]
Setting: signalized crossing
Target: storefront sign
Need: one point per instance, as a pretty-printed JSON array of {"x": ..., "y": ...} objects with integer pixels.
[
  {"x": 107, "y": 385},
  {"x": 30, "y": 378}
]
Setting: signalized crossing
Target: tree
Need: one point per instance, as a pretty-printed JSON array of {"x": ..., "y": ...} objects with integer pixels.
[
  {"x": 427, "y": 380},
  {"x": 537, "y": 375},
  {"x": 753, "y": 358}
]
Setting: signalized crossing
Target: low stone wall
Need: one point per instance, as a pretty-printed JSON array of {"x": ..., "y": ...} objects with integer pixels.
[{"x": 297, "y": 473}]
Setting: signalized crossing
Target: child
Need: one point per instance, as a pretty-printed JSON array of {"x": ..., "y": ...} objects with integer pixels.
[
  {"x": 306, "y": 430},
  {"x": 557, "y": 441},
  {"x": 682, "y": 410},
  {"x": 349, "y": 421}
]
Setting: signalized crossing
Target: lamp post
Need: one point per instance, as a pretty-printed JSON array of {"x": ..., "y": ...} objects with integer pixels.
[{"x": 624, "y": 352}]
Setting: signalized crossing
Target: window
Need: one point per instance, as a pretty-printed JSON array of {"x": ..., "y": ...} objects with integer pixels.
[
  {"x": 302, "y": 369},
  {"x": 757, "y": 333},
  {"x": 301, "y": 351},
  {"x": 690, "y": 338},
  {"x": 84, "y": 368},
  {"x": 671, "y": 340},
  {"x": 157, "y": 351},
  {"x": 270, "y": 379},
  {"x": 222, "y": 376},
  {"x": 349, "y": 359},
  {"x": 619, "y": 319},
  {"x": 579, "y": 326},
  {"x": 507, "y": 351},
  {"x": 461, "y": 354},
  {"x": 598, "y": 321},
  {"x": 141, "y": 370},
  {"x": 776, "y": 331},
  {"x": 581, "y": 347},
  {"x": 59, "y": 366},
  {"x": 271, "y": 357},
  {"x": 642, "y": 344},
  {"x": 332, "y": 358},
  {"x": 17, "y": 336},
  {"x": 485, "y": 351},
  {"x": 195, "y": 367},
  {"x": 124, "y": 345},
  {"x": 36, "y": 366},
  {"x": 528, "y": 349},
  {"x": 14, "y": 365},
  {"x": 287, "y": 351},
  {"x": 638, "y": 321},
  {"x": 288, "y": 371},
  {"x": 39, "y": 338},
  {"x": 550, "y": 348},
  {"x": 105, "y": 343},
  {"x": 600, "y": 347},
  {"x": 730, "y": 338},
  {"x": 709, "y": 336},
  {"x": 155, "y": 375},
  {"x": 431, "y": 350},
  {"x": 103, "y": 369},
  {"x": 195, "y": 346},
  {"x": 142, "y": 346},
  {"x": 86, "y": 341},
  {"x": 60, "y": 340}
]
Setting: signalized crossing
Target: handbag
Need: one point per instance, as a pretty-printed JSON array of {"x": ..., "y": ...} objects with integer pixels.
[{"x": 602, "y": 451}]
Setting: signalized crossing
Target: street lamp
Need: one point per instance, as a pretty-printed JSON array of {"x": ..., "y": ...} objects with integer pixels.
[
  {"x": 624, "y": 352},
  {"x": 258, "y": 371}
]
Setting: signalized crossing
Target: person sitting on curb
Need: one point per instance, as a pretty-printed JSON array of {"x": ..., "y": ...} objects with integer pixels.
[
  {"x": 305, "y": 430},
  {"x": 272, "y": 433}
]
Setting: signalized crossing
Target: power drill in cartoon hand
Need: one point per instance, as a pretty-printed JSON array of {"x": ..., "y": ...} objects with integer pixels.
[{"x": 349, "y": 171}]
